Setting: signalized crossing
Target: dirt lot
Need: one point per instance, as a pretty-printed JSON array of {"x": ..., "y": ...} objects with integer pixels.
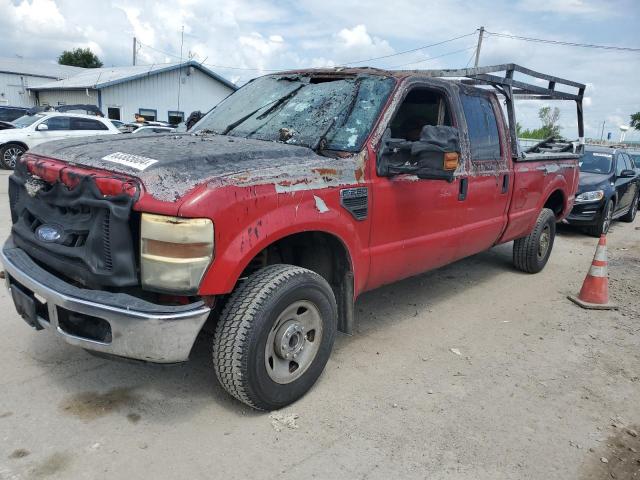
[{"x": 474, "y": 371}]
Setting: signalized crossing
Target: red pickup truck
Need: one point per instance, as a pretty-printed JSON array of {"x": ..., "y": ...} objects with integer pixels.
[{"x": 284, "y": 203}]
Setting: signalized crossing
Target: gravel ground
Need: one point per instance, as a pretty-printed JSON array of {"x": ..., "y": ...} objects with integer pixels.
[{"x": 473, "y": 371}]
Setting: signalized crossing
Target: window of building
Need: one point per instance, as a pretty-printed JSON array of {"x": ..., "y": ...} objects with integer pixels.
[
  {"x": 482, "y": 127},
  {"x": 113, "y": 113},
  {"x": 87, "y": 124},
  {"x": 175, "y": 117},
  {"x": 148, "y": 114},
  {"x": 57, "y": 123}
]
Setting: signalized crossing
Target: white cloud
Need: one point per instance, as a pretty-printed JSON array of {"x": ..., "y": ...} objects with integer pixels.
[
  {"x": 264, "y": 35},
  {"x": 38, "y": 16}
]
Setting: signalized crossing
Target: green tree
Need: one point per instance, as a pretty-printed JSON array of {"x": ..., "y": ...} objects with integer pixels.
[
  {"x": 549, "y": 128},
  {"x": 635, "y": 121},
  {"x": 80, "y": 57},
  {"x": 549, "y": 119}
]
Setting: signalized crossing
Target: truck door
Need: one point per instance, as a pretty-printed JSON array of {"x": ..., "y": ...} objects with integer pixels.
[
  {"x": 415, "y": 222},
  {"x": 489, "y": 175}
]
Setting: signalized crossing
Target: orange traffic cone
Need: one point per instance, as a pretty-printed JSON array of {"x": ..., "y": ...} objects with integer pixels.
[{"x": 594, "y": 293}]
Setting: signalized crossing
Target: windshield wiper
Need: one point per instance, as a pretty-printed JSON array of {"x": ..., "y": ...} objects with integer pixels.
[
  {"x": 276, "y": 104},
  {"x": 348, "y": 108}
]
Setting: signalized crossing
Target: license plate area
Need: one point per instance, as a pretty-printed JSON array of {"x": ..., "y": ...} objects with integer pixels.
[{"x": 28, "y": 306}]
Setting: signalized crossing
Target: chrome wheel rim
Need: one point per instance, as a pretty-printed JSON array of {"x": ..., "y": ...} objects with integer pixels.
[
  {"x": 293, "y": 342},
  {"x": 11, "y": 156},
  {"x": 607, "y": 218},
  {"x": 545, "y": 240},
  {"x": 634, "y": 206}
]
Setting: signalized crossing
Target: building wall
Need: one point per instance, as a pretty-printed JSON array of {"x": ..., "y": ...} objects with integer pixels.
[
  {"x": 198, "y": 91},
  {"x": 13, "y": 89},
  {"x": 68, "y": 97}
]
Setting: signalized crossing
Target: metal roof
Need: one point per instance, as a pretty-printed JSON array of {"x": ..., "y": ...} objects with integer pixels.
[
  {"x": 97, "y": 78},
  {"x": 37, "y": 68}
]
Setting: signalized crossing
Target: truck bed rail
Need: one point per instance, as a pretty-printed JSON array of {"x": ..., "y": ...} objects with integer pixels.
[{"x": 501, "y": 78}]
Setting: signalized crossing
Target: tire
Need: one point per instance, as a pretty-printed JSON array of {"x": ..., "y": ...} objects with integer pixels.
[
  {"x": 630, "y": 216},
  {"x": 10, "y": 153},
  {"x": 254, "y": 359},
  {"x": 604, "y": 222},
  {"x": 530, "y": 253}
]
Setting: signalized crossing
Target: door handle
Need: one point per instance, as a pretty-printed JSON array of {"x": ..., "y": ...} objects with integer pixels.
[
  {"x": 464, "y": 184},
  {"x": 505, "y": 183}
]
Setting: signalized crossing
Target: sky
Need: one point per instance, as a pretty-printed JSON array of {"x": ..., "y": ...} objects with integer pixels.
[{"x": 242, "y": 39}]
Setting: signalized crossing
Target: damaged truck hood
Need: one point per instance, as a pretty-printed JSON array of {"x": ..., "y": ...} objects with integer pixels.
[{"x": 169, "y": 166}]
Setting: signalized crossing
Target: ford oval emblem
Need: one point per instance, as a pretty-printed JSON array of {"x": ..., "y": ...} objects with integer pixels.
[{"x": 48, "y": 233}]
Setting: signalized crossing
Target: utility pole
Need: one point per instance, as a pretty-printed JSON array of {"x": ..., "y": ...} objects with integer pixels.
[
  {"x": 602, "y": 132},
  {"x": 134, "y": 50},
  {"x": 480, "y": 35},
  {"x": 180, "y": 67}
]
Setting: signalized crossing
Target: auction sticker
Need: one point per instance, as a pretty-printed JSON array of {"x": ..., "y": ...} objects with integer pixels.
[{"x": 130, "y": 160}]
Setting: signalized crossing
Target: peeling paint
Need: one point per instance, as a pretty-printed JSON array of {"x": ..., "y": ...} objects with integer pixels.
[
  {"x": 320, "y": 205},
  {"x": 187, "y": 161}
]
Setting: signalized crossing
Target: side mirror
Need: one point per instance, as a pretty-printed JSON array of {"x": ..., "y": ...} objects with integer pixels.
[
  {"x": 627, "y": 173},
  {"x": 436, "y": 155},
  {"x": 42, "y": 127}
]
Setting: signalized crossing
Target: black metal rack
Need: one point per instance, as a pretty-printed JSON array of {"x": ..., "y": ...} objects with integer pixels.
[{"x": 512, "y": 89}]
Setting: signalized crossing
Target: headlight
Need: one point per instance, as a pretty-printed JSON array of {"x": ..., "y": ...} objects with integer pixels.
[
  {"x": 590, "y": 196},
  {"x": 174, "y": 252}
]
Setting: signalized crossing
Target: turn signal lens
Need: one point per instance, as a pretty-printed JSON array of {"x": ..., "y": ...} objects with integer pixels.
[{"x": 451, "y": 160}]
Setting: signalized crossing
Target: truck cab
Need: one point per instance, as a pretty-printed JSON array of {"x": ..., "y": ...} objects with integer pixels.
[{"x": 269, "y": 218}]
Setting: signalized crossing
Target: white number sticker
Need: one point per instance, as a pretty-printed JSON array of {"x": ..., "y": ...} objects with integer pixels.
[{"x": 130, "y": 160}]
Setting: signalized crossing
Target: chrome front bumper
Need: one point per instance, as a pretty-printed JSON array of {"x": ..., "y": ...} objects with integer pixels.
[{"x": 138, "y": 329}]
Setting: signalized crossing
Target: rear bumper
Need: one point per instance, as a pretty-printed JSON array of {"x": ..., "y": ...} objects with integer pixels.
[{"x": 111, "y": 323}]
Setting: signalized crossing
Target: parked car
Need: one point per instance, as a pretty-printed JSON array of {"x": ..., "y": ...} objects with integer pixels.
[
  {"x": 147, "y": 127},
  {"x": 293, "y": 196},
  {"x": 608, "y": 189},
  {"x": 31, "y": 130},
  {"x": 119, "y": 124},
  {"x": 85, "y": 109},
  {"x": 9, "y": 114}
]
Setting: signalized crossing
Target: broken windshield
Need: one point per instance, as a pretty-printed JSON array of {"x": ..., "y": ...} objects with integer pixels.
[{"x": 303, "y": 110}]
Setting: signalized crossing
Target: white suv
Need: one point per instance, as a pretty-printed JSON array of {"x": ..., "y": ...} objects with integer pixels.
[{"x": 31, "y": 130}]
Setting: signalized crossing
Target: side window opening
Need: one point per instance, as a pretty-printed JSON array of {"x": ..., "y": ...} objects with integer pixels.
[
  {"x": 420, "y": 107},
  {"x": 87, "y": 124},
  {"x": 619, "y": 164},
  {"x": 57, "y": 123},
  {"x": 482, "y": 126}
]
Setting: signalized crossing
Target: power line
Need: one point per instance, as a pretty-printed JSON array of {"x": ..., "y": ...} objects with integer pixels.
[
  {"x": 473, "y": 54},
  {"x": 558, "y": 42},
  {"x": 227, "y": 67},
  {"x": 408, "y": 51},
  {"x": 472, "y": 47}
]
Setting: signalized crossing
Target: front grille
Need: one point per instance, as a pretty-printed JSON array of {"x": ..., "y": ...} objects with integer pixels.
[
  {"x": 94, "y": 244},
  {"x": 106, "y": 242}
]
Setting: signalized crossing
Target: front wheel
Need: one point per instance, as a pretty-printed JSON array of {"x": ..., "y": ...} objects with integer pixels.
[
  {"x": 604, "y": 222},
  {"x": 275, "y": 336},
  {"x": 530, "y": 253},
  {"x": 10, "y": 154}
]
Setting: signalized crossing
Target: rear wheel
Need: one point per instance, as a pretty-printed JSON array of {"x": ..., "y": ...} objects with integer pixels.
[
  {"x": 604, "y": 222},
  {"x": 530, "y": 254},
  {"x": 631, "y": 214},
  {"x": 10, "y": 154},
  {"x": 275, "y": 336}
]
